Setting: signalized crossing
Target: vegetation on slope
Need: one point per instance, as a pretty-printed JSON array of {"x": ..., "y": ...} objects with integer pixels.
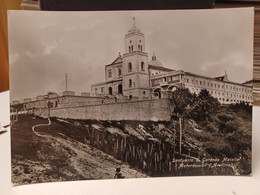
[{"x": 222, "y": 130}]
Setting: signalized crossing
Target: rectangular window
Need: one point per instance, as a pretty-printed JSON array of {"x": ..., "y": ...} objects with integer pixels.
[
  {"x": 109, "y": 73},
  {"x": 102, "y": 90}
]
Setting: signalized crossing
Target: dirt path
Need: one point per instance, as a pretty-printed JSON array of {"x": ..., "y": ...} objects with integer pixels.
[
  {"x": 41, "y": 125},
  {"x": 84, "y": 160}
]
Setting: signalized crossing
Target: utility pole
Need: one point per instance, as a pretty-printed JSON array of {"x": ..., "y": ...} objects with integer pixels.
[
  {"x": 180, "y": 133},
  {"x": 174, "y": 137},
  {"x": 66, "y": 80}
]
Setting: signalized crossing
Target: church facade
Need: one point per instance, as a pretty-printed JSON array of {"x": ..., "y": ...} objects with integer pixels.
[{"x": 131, "y": 75}]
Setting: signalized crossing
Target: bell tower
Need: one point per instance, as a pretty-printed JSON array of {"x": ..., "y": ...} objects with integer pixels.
[
  {"x": 135, "y": 65},
  {"x": 134, "y": 40}
]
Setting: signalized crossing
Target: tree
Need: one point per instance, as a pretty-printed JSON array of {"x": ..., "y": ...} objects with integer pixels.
[
  {"x": 204, "y": 106},
  {"x": 183, "y": 100}
]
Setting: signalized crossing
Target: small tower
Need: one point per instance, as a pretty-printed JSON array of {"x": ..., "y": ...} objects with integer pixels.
[
  {"x": 134, "y": 39},
  {"x": 225, "y": 76},
  {"x": 135, "y": 66}
]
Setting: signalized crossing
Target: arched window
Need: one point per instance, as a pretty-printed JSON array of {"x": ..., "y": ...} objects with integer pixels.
[
  {"x": 142, "y": 66},
  {"x": 120, "y": 89},
  {"x": 130, "y": 83},
  {"x": 110, "y": 90},
  {"x": 132, "y": 47},
  {"x": 129, "y": 67},
  {"x": 141, "y": 48},
  {"x": 129, "y": 49},
  {"x": 119, "y": 71}
]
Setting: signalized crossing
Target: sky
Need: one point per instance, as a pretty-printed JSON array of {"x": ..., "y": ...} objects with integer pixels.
[{"x": 44, "y": 46}]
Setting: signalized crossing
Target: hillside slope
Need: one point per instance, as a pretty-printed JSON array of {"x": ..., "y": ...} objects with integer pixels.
[{"x": 58, "y": 157}]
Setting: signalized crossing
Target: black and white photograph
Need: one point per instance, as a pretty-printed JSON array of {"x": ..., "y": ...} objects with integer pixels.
[{"x": 130, "y": 94}]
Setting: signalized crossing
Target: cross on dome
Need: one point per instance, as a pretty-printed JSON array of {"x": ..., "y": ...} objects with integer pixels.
[
  {"x": 153, "y": 57},
  {"x": 134, "y": 28}
]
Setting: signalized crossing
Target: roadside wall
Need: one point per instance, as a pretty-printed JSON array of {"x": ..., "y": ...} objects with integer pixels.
[{"x": 146, "y": 110}]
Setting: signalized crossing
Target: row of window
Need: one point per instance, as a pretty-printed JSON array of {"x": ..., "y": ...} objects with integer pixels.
[
  {"x": 232, "y": 95},
  {"x": 131, "y": 48},
  {"x": 164, "y": 79},
  {"x": 109, "y": 72},
  {"x": 215, "y": 93},
  {"x": 130, "y": 67},
  {"x": 156, "y": 73},
  {"x": 230, "y": 100},
  {"x": 203, "y": 83},
  {"x": 110, "y": 90},
  {"x": 217, "y": 85}
]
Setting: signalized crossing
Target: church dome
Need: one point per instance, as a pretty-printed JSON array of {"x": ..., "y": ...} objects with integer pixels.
[{"x": 155, "y": 62}]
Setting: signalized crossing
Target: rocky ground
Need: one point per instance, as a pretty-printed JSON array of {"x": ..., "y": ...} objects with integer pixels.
[{"x": 48, "y": 154}]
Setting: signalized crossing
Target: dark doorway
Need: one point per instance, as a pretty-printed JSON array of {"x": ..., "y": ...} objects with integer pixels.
[
  {"x": 110, "y": 91},
  {"x": 120, "y": 89},
  {"x": 157, "y": 92}
]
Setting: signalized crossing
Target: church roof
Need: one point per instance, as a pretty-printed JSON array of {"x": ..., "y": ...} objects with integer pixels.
[
  {"x": 222, "y": 78},
  {"x": 159, "y": 68},
  {"x": 119, "y": 59},
  {"x": 249, "y": 83},
  {"x": 155, "y": 62}
]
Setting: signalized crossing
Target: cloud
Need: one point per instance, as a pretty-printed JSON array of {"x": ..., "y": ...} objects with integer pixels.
[
  {"x": 29, "y": 54},
  {"x": 46, "y": 45},
  {"x": 50, "y": 46}
]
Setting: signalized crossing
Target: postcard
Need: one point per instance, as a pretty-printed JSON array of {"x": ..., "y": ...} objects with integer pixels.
[{"x": 130, "y": 94}]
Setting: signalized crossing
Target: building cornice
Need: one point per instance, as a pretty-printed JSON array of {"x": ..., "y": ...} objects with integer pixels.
[
  {"x": 135, "y": 53},
  {"x": 107, "y": 82}
]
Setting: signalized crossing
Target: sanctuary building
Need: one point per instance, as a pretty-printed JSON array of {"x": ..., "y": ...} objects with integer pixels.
[{"x": 131, "y": 75}]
